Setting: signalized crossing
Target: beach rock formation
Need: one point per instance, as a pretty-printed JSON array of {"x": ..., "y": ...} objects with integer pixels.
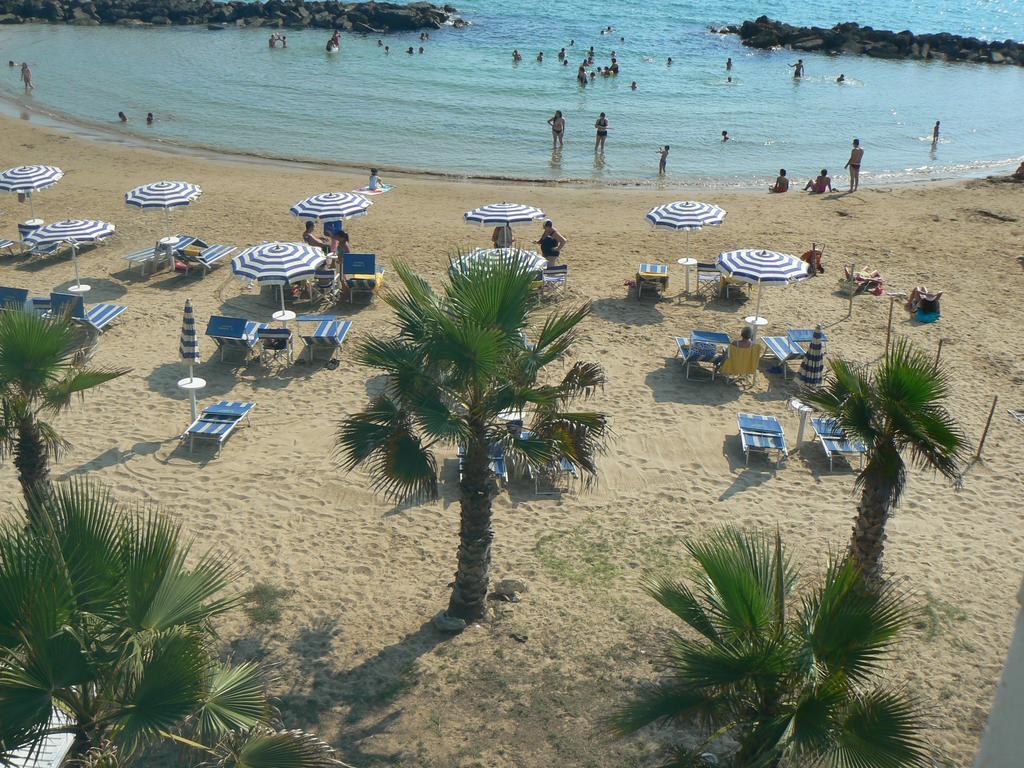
[
  {"x": 371, "y": 18},
  {"x": 880, "y": 43}
]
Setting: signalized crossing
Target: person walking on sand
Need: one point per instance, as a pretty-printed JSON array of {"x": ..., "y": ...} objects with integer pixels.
[
  {"x": 557, "y": 124},
  {"x": 798, "y": 69},
  {"x": 856, "y": 155},
  {"x": 935, "y": 134},
  {"x": 26, "y": 76},
  {"x": 602, "y": 133},
  {"x": 664, "y": 159}
]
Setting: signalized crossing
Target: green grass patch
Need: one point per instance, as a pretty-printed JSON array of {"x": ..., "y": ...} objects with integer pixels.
[
  {"x": 264, "y": 603},
  {"x": 937, "y": 616}
]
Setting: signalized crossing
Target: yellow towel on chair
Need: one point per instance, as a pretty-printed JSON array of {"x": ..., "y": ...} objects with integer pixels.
[{"x": 742, "y": 361}]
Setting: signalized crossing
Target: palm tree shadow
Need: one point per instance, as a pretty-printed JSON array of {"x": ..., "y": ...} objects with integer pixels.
[
  {"x": 113, "y": 457},
  {"x": 747, "y": 476}
]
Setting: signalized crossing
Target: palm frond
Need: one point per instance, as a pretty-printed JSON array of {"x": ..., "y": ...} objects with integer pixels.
[
  {"x": 678, "y": 598},
  {"x": 263, "y": 748},
  {"x": 660, "y": 703},
  {"x": 235, "y": 701},
  {"x": 58, "y": 396},
  {"x": 881, "y": 729},
  {"x": 582, "y": 380},
  {"x": 496, "y": 294}
]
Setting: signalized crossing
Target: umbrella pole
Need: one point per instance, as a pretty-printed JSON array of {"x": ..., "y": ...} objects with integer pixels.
[
  {"x": 74, "y": 261},
  {"x": 31, "y": 205},
  {"x": 757, "y": 313},
  {"x": 282, "y": 298},
  {"x": 167, "y": 220}
]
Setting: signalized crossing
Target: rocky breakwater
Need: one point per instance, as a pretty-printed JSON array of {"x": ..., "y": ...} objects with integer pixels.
[
  {"x": 879, "y": 43},
  {"x": 375, "y": 18}
]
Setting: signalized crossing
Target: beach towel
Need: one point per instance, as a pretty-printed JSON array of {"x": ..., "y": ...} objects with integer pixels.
[{"x": 380, "y": 190}]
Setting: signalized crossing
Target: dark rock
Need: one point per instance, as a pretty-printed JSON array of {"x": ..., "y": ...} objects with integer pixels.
[{"x": 10, "y": 18}]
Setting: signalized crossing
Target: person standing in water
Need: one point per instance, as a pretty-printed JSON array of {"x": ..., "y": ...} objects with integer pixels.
[
  {"x": 557, "y": 124},
  {"x": 728, "y": 64},
  {"x": 856, "y": 155},
  {"x": 149, "y": 118},
  {"x": 26, "y": 77},
  {"x": 663, "y": 161},
  {"x": 935, "y": 134},
  {"x": 602, "y": 133},
  {"x": 798, "y": 69}
]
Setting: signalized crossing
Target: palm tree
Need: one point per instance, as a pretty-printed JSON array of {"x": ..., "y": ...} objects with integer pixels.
[
  {"x": 106, "y": 633},
  {"x": 42, "y": 366},
  {"x": 895, "y": 410},
  {"x": 790, "y": 684},
  {"x": 458, "y": 362}
]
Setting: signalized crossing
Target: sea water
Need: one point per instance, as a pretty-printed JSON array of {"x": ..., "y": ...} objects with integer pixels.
[{"x": 464, "y": 108}]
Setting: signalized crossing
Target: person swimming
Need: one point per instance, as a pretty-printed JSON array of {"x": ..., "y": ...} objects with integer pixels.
[
  {"x": 725, "y": 135},
  {"x": 632, "y": 86},
  {"x": 122, "y": 117},
  {"x": 669, "y": 62},
  {"x": 149, "y": 118},
  {"x": 581, "y": 75},
  {"x": 561, "y": 55},
  {"x": 516, "y": 55},
  {"x": 841, "y": 78}
]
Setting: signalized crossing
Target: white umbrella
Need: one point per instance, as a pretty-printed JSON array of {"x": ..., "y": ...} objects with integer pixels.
[{"x": 73, "y": 232}]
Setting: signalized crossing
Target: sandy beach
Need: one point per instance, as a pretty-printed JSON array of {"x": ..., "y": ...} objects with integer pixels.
[{"x": 357, "y": 659}]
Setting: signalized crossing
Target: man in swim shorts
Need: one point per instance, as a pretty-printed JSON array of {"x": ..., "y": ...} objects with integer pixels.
[{"x": 856, "y": 155}]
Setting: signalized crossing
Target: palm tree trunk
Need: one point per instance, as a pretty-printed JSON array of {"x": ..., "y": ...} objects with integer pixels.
[
  {"x": 32, "y": 460},
  {"x": 475, "y": 535},
  {"x": 868, "y": 540}
]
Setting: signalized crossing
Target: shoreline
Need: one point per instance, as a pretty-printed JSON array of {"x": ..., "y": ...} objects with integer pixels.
[{"x": 14, "y": 108}]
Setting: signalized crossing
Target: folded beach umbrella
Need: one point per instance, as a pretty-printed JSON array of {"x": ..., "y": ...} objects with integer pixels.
[
  {"x": 163, "y": 194},
  {"x": 530, "y": 260},
  {"x": 26, "y": 179},
  {"x": 504, "y": 213},
  {"x": 278, "y": 263},
  {"x": 812, "y": 368},
  {"x": 760, "y": 267},
  {"x": 331, "y": 206},
  {"x": 686, "y": 215},
  {"x": 188, "y": 349},
  {"x": 73, "y": 232}
]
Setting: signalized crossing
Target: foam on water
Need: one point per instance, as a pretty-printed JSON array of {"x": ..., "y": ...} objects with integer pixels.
[{"x": 463, "y": 108}]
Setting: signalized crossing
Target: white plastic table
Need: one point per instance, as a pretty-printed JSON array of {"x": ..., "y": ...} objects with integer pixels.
[
  {"x": 168, "y": 244},
  {"x": 191, "y": 385},
  {"x": 283, "y": 316},
  {"x": 803, "y": 409},
  {"x": 689, "y": 264}
]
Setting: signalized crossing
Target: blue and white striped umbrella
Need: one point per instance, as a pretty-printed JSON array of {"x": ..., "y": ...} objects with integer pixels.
[
  {"x": 26, "y": 179},
  {"x": 163, "y": 194},
  {"x": 504, "y": 213},
  {"x": 278, "y": 263},
  {"x": 760, "y": 267},
  {"x": 188, "y": 347},
  {"x": 332, "y": 206},
  {"x": 686, "y": 215},
  {"x": 72, "y": 231},
  {"x": 531, "y": 260}
]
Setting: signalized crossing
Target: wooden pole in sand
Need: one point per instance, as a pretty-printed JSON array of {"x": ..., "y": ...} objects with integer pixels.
[
  {"x": 981, "y": 443},
  {"x": 888, "y": 328},
  {"x": 938, "y": 352}
]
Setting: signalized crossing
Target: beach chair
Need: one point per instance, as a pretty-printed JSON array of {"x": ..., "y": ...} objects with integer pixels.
[
  {"x": 709, "y": 281},
  {"x": 274, "y": 342},
  {"x": 835, "y": 442},
  {"x": 48, "y": 249},
  {"x": 325, "y": 285},
  {"x": 203, "y": 257},
  {"x": 554, "y": 279},
  {"x": 700, "y": 347},
  {"x": 233, "y": 334},
  {"x": 651, "y": 277},
  {"x": 329, "y": 335},
  {"x": 97, "y": 317},
  {"x": 741, "y": 362},
  {"x": 558, "y": 477},
  {"x": 217, "y": 422},
  {"x": 8, "y": 245},
  {"x": 496, "y": 461},
  {"x": 783, "y": 350},
  {"x": 40, "y": 305},
  {"x": 761, "y": 433},
  {"x": 361, "y": 275},
  {"x": 13, "y": 298},
  {"x": 143, "y": 258}
]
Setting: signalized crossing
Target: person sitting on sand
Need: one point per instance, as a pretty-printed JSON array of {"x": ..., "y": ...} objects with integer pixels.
[
  {"x": 309, "y": 237},
  {"x": 375, "y": 182},
  {"x": 813, "y": 259},
  {"x": 1019, "y": 173},
  {"x": 821, "y": 184},
  {"x": 781, "y": 182},
  {"x": 502, "y": 236},
  {"x": 551, "y": 243},
  {"x": 923, "y": 300}
]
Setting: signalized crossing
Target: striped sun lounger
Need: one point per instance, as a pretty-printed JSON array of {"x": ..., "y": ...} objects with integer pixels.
[
  {"x": 783, "y": 349},
  {"x": 97, "y": 317},
  {"x": 653, "y": 277},
  {"x": 206, "y": 259},
  {"x": 217, "y": 421},
  {"x": 328, "y": 336},
  {"x": 700, "y": 347},
  {"x": 7, "y": 245},
  {"x": 761, "y": 433},
  {"x": 834, "y": 441}
]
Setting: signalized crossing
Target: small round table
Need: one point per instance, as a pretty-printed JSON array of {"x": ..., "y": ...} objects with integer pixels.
[
  {"x": 190, "y": 385},
  {"x": 168, "y": 245},
  {"x": 283, "y": 316},
  {"x": 689, "y": 264},
  {"x": 803, "y": 409},
  {"x": 755, "y": 323},
  {"x": 79, "y": 288}
]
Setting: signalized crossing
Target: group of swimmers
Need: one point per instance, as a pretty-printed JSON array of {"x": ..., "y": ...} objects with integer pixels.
[
  {"x": 276, "y": 38},
  {"x": 122, "y": 117}
]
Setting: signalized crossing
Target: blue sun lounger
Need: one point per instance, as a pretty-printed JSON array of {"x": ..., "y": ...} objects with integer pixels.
[
  {"x": 328, "y": 335},
  {"x": 783, "y": 350},
  {"x": 834, "y": 441},
  {"x": 761, "y": 433},
  {"x": 361, "y": 274},
  {"x": 13, "y": 298},
  {"x": 204, "y": 259},
  {"x": 217, "y": 421},
  {"x": 700, "y": 347},
  {"x": 496, "y": 461},
  {"x": 97, "y": 317},
  {"x": 234, "y": 334},
  {"x": 7, "y": 245}
]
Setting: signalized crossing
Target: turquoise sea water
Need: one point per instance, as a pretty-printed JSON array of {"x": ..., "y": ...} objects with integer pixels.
[{"x": 464, "y": 108}]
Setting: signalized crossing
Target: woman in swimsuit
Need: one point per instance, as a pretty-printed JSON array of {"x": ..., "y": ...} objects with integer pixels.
[
  {"x": 557, "y": 124},
  {"x": 551, "y": 242},
  {"x": 602, "y": 132}
]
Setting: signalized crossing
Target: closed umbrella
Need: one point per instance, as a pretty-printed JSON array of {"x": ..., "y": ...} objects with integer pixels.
[
  {"x": 812, "y": 368},
  {"x": 73, "y": 232},
  {"x": 760, "y": 267},
  {"x": 278, "y": 264},
  {"x": 26, "y": 179},
  {"x": 163, "y": 195},
  {"x": 188, "y": 350}
]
